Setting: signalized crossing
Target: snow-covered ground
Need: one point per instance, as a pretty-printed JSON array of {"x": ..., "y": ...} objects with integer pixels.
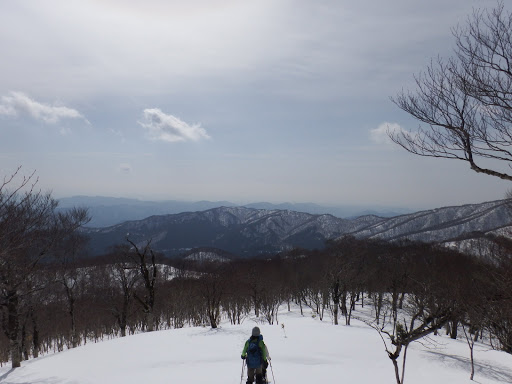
[{"x": 305, "y": 351}]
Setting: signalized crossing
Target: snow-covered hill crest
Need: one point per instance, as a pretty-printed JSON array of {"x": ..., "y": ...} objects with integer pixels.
[
  {"x": 303, "y": 349},
  {"x": 442, "y": 224}
]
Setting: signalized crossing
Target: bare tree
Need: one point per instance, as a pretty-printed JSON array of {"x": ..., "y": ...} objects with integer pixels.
[
  {"x": 119, "y": 279},
  {"x": 499, "y": 296},
  {"x": 237, "y": 302},
  {"x": 465, "y": 102},
  {"x": 272, "y": 273},
  {"x": 30, "y": 229},
  {"x": 429, "y": 304},
  {"x": 70, "y": 277},
  {"x": 145, "y": 259},
  {"x": 211, "y": 289}
]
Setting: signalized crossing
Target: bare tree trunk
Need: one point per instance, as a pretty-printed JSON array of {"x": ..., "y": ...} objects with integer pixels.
[
  {"x": 14, "y": 346},
  {"x": 397, "y": 371},
  {"x": 335, "y": 292},
  {"x": 472, "y": 364},
  {"x": 335, "y": 313},
  {"x": 401, "y": 301},
  {"x": 378, "y": 306},
  {"x": 24, "y": 347},
  {"x": 13, "y": 329},
  {"x": 150, "y": 321},
  {"x": 35, "y": 336},
  {"x": 343, "y": 305},
  {"x": 353, "y": 297},
  {"x": 471, "y": 343},
  {"x": 74, "y": 335},
  {"x": 403, "y": 364},
  {"x": 121, "y": 321}
]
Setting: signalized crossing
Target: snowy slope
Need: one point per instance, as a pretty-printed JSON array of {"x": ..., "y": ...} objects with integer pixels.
[{"x": 313, "y": 351}]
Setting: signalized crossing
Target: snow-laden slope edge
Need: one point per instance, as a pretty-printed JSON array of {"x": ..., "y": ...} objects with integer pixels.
[{"x": 306, "y": 351}]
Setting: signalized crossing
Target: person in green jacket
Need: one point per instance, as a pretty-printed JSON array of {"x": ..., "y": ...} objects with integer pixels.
[{"x": 256, "y": 356}]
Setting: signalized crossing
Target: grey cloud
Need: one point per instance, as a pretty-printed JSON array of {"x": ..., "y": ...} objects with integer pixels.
[
  {"x": 125, "y": 167},
  {"x": 304, "y": 49},
  {"x": 163, "y": 127}
]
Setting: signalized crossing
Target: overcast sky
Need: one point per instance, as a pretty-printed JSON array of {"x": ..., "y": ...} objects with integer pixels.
[{"x": 246, "y": 101}]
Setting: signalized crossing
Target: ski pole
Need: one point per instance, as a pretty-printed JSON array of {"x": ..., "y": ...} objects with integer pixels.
[
  {"x": 272, "y": 370},
  {"x": 242, "y": 375}
]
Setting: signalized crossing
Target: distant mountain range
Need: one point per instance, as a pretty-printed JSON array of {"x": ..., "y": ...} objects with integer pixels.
[
  {"x": 107, "y": 211},
  {"x": 247, "y": 231}
]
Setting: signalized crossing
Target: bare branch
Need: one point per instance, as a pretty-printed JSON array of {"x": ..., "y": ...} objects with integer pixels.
[{"x": 464, "y": 104}]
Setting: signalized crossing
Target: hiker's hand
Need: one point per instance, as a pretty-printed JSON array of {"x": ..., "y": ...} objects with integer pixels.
[{"x": 243, "y": 357}]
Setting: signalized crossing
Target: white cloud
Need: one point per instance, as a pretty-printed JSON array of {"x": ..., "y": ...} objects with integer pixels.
[
  {"x": 162, "y": 127},
  {"x": 380, "y": 135},
  {"x": 7, "y": 110},
  {"x": 17, "y": 103}
]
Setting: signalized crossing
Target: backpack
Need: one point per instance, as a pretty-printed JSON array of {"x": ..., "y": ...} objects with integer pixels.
[{"x": 254, "y": 353}]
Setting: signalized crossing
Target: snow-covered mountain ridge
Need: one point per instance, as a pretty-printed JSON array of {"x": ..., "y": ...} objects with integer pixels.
[
  {"x": 247, "y": 232},
  {"x": 109, "y": 211}
]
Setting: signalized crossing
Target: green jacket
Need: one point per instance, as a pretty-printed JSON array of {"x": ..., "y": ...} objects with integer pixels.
[{"x": 262, "y": 346}]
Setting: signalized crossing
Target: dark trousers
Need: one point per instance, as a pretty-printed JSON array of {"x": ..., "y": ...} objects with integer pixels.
[{"x": 251, "y": 372}]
